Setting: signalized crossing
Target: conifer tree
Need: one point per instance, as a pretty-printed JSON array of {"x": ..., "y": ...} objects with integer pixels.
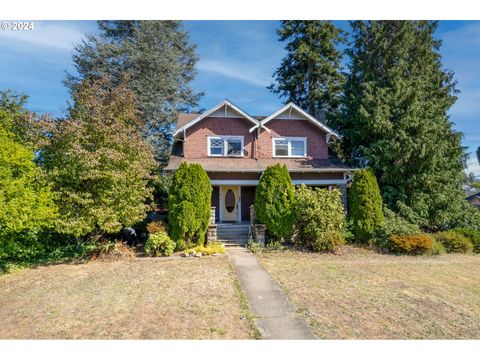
[
  {"x": 310, "y": 74},
  {"x": 365, "y": 205},
  {"x": 394, "y": 119},
  {"x": 159, "y": 62},
  {"x": 274, "y": 201},
  {"x": 189, "y": 202}
]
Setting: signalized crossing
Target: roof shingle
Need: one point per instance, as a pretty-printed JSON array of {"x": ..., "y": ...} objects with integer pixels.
[
  {"x": 258, "y": 165},
  {"x": 185, "y": 118}
]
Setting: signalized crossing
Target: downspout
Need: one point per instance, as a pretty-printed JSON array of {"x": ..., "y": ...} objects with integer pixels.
[{"x": 255, "y": 137}]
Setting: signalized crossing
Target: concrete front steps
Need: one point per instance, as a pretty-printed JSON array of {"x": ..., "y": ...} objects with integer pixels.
[{"x": 233, "y": 234}]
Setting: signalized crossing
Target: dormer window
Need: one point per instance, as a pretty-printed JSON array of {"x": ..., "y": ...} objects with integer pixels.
[
  {"x": 225, "y": 146},
  {"x": 290, "y": 147}
]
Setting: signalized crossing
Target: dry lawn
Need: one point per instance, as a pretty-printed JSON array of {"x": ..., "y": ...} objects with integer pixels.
[
  {"x": 363, "y": 295},
  {"x": 194, "y": 298}
]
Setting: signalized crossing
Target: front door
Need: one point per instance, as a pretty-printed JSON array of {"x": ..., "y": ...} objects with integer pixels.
[{"x": 230, "y": 198}]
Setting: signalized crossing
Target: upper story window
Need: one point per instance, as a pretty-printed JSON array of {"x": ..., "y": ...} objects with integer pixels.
[
  {"x": 290, "y": 147},
  {"x": 225, "y": 146}
]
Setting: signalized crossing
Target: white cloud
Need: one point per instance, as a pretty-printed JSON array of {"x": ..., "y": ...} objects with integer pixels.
[
  {"x": 46, "y": 34},
  {"x": 234, "y": 71}
]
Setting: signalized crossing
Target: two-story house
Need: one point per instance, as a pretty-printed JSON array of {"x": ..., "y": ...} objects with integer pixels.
[{"x": 235, "y": 148}]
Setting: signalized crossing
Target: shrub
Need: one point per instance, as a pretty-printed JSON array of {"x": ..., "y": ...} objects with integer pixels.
[
  {"x": 438, "y": 247},
  {"x": 159, "y": 244},
  {"x": 468, "y": 218},
  {"x": 214, "y": 247},
  {"x": 274, "y": 199},
  {"x": 319, "y": 219},
  {"x": 26, "y": 200},
  {"x": 274, "y": 246},
  {"x": 21, "y": 246},
  {"x": 156, "y": 227},
  {"x": 330, "y": 241},
  {"x": 365, "y": 210},
  {"x": 111, "y": 251},
  {"x": 392, "y": 224},
  {"x": 454, "y": 242},
  {"x": 472, "y": 235},
  {"x": 180, "y": 245},
  {"x": 189, "y": 203},
  {"x": 411, "y": 244},
  {"x": 254, "y": 246},
  {"x": 186, "y": 224}
]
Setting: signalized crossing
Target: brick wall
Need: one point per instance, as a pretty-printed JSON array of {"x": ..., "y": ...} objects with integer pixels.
[
  {"x": 195, "y": 145},
  {"x": 316, "y": 140}
]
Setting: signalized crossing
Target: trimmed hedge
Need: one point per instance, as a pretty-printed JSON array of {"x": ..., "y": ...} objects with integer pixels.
[
  {"x": 411, "y": 244},
  {"x": 319, "y": 219},
  {"x": 274, "y": 201},
  {"x": 365, "y": 209},
  {"x": 454, "y": 242},
  {"x": 189, "y": 202}
]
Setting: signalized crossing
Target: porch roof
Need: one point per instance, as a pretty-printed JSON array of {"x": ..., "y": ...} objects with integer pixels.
[{"x": 332, "y": 164}]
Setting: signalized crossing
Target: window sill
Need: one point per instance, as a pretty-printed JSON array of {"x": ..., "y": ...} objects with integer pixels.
[
  {"x": 228, "y": 156},
  {"x": 290, "y": 157}
]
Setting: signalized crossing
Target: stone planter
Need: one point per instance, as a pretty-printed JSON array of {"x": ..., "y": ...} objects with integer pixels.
[
  {"x": 212, "y": 215},
  {"x": 258, "y": 231},
  {"x": 211, "y": 233}
]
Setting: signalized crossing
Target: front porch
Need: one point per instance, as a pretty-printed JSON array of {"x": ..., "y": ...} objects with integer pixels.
[
  {"x": 233, "y": 199},
  {"x": 232, "y": 203}
]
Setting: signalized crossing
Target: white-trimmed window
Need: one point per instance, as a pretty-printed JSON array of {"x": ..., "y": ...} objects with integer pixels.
[
  {"x": 289, "y": 147},
  {"x": 225, "y": 146}
]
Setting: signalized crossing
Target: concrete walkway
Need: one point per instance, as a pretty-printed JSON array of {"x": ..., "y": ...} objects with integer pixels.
[{"x": 273, "y": 312}]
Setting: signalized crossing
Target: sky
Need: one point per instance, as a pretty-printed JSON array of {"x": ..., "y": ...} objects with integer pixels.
[{"x": 236, "y": 61}]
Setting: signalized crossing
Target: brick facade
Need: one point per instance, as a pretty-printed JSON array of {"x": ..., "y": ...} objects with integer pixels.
[
  {"x": 316, "y": 138},
  {"x": 196, "y": 147}
]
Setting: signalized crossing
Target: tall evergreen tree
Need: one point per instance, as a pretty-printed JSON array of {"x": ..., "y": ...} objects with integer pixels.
[
  {"x": 158, "y": 60},
  {"x": 478, "y": 155},
  {"x": 310, "y": 73},
  {"x": 394, "y": 119}
]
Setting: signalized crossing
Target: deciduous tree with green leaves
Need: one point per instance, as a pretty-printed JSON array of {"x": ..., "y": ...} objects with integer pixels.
[
  {"x": 395, "y": 119},
  {"x": 27, "y": 206},
  {"x": 160, "y": 62},
  {"x": 274, "y": 202},
  {"x": 310, "y": 74},
  {"x": 98, "y": 162}
]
